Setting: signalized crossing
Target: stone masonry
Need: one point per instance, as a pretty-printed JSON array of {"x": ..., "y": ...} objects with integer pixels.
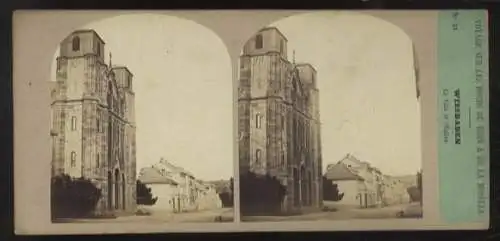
[
  {"x": 279, "y": 123},
  {"x": 93, "y": 122}
]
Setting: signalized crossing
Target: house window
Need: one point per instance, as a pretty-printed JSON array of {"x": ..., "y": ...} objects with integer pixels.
[
  {"x": 282, "y": 46},
  {"x": 259, "y": 41},
  {"x": 76, "y": 43},
  {"x": 73, "y": 123},
  {"x": 258, "y": 121},
  {"x": 97, "y": 161},
  {"x": 129, "y": 81},
  {"x": 258, "y": 156},
  {"x": 73, "y": 159},
  {"x": 98, "y": 124}
]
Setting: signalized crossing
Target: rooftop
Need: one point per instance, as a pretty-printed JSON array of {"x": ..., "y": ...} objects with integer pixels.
[
  {"x": 341, "y": 172},
  {"x": 150, "y": 175},
  {"x": 88, "y": 31},
  {"x": 122, "y": 67},
  {"x": 298, "y": 65},
  {"x": 273, "y": 28}
]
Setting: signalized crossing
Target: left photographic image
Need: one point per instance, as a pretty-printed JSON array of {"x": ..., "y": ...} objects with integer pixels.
[{"x": 140, "y": 110}]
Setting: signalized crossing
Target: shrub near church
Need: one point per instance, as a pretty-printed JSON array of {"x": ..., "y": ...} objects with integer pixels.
[
  {"x": 261, "y": 195},
  {"x": 73, "y": 198}
]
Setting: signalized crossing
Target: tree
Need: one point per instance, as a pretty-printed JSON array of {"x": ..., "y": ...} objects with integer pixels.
[
  {"x": 226, "y": 194},
  {"x": 73, "y": 198},
  {"x": 414, "y": 193},
  {"x": 231, "y": 185},
  {"x": 331, "y": 191},
  {"x": 144, "y": 195}
]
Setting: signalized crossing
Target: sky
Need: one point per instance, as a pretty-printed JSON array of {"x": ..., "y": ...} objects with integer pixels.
[
  {"x": 183, "y": 85},
  {"x": 183, "y": 90},
  {"x": 366, "y": 84}
]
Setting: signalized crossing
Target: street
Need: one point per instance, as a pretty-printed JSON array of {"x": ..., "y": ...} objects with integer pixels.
[
  {"x": 342, "y": 214},
  {"x": 221, "y": 215}
]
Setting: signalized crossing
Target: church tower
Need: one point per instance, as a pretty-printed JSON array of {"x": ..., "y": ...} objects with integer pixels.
[
  {"x": 263, "y": 71},
  {"x": 278, "y": 119},
  {"x": 93, "y": 122},
  {"x": 80, "y": 81}
]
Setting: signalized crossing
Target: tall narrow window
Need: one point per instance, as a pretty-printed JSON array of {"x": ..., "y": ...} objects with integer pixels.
[
  {"x": 282, "y": 122},
  {"x": 124, "y": 189},
  {"x": 73, "y": 159},
  {"x": 258, "y": 156},
  {"x": 110, "y": 190},
  {"x": 117, "y": 189},
  {"x": 258, "y": 120},
  {"x": 97, "y": 161},
  {"x": 76, "y": 43},
  {"x": 282, "y": 46},
  {"x": 259, "y": 42},
  {"x": 73, "y": 123},
  {"x": 98, "y": 123}
]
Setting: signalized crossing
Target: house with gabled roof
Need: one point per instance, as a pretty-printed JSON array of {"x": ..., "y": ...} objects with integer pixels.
[
  {"x": 177, "y": 189},
  {"x": 364, "y": 185},
  {"x": 358, "y": 191},
  {"x": 163, "y": 187}
]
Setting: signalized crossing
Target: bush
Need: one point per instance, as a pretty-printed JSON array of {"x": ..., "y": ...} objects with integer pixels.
[
  {"x": 73, "y": 198},
  {"x": 419, "y": 185},
  {"x": 331, "y": 191},
  {"x": 260, "y": 195},
  {"x": 144, "y": 195},
  {"x": 226, "y": 199},
  {"x": 226, "y": 195}
]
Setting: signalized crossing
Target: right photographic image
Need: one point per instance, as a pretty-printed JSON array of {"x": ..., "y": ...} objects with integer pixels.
[{"x": 329, "y": 120}]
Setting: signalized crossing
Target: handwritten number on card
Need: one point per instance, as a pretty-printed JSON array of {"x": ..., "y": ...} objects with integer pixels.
[{"x": 455, "y": 17}]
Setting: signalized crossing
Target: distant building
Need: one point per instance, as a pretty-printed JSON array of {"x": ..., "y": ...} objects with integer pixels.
[
  {"x": 279, "y": 121},
  {"x": 365, "y": 186},
  {"x": 163, "y": 187},
  {"x": 93, "y": 122},
  {"x": 177, "y": 189}
]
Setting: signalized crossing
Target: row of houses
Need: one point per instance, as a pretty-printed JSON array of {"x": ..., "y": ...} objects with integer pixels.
[
  {"x": 365, "y": 186},
  {"x": 177, "y": 189}
]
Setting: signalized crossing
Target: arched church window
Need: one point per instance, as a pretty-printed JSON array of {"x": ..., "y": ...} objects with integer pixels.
[
  {"x": 283, "y": 122},
  {"x": 258, "y": 121},
  {"x": 76, "y": 43},
  {"x": 73, "y": 159},
  {"x": 259, "y": 42},
  {"x": 73, "y": 123},
  {"x": 258, "y": 154}
]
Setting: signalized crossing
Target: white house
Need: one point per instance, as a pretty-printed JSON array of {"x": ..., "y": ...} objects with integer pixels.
[
  {"x": 163, "y": 187},
  {"x": 177, "y": 189},
  {"x": 365, "y": 186}
]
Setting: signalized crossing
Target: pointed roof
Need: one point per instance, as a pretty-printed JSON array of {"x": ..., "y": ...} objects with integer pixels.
[
  {"x": 339, "y": 172},
  {"x": 150, "y": 175},
  {"x": 177, "y": 168}
]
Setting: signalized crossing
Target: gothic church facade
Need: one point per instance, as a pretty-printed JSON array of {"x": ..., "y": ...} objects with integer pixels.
[
  {"x": 93, "y": 122},
  {"x": 279, "y": 121}
]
